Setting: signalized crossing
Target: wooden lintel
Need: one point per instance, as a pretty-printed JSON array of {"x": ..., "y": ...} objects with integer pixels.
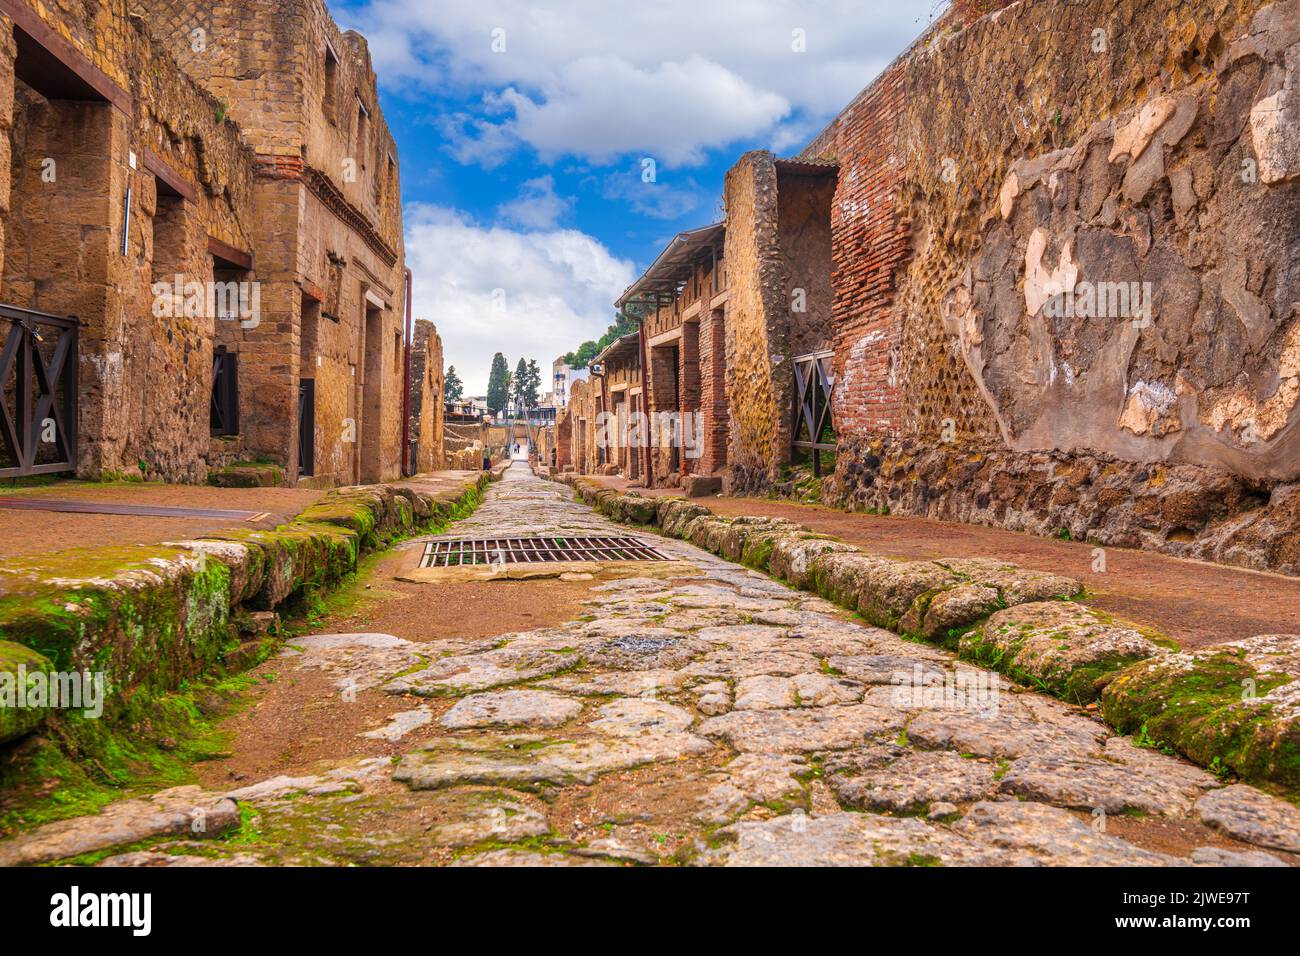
[
  {"x": 236, "y": 257},
  {"x": 174, "y": 180}
]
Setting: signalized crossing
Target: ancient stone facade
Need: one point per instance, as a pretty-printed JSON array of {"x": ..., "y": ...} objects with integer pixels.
[
  {"x": 328, "y": 234},
  {"x": 425, "y": 400},
  {"x": 1072, "y": 312},
  {"x": 1067, "y": 312},
  {"x": 577, "y": 446},
  {"x": 779, "y": 303},
  {"x": 681, "y": 301},
  {"x": 212, "y": 193},
  {"x": 121, "y": 178}
]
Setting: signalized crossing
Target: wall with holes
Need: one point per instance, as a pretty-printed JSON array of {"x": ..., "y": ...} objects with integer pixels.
[{"x": 1067, "y": 297}]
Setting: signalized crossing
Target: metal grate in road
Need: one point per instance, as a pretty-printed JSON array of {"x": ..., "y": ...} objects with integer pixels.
[{"x": 538, "y": 550}]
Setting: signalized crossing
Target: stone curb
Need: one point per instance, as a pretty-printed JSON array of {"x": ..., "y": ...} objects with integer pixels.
[
  {"x": 1021, "y": 623},
  {"x": 157, "y": 615}
]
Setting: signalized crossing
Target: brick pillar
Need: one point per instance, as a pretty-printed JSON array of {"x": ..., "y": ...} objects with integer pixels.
[
  {"x": 662, "y": 395},
  {"x": 268, "y": 352},
  {"x": 688, "y": 393},
  {"x": 713, "y": 391}
]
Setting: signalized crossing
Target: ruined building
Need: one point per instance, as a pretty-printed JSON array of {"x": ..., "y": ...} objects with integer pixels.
[
  {"x": 425, "y": 404},
  {"x": 1043, "y": 273},
  {"x": 322, "y": 374},
  {"x": 202, "y": 243},
  {"x": 1075, "y": 309},
  {"x": 120, "y": 173},
  {"x": 681, "y": 299}
]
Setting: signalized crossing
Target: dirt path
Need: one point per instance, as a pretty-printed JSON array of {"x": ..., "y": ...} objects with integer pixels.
[
  {"x": 1194, "y": 602},
  {"x": 34, "y": 532},
  {"x": 688, "y": 711}
]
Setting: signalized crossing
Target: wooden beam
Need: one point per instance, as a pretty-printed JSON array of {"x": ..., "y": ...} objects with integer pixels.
[
  {"x": 174, "y": 180},
  {"x": 236, "y": 257},
  {"x": 49, "y": 51}
]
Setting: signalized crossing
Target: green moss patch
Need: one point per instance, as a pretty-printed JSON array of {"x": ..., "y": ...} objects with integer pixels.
[{"x": 1214, "y": 707}]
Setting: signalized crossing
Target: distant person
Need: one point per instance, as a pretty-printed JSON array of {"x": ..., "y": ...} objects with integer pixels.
[{"x": 487, "y": 461}]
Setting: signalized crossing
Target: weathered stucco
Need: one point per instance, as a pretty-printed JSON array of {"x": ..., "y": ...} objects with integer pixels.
[{"x": 1067, "y": 276}]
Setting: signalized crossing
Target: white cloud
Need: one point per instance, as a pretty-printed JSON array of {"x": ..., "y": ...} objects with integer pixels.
[
  {"x": 658, "y": 199},
  {"x": 533, "y": 293},
  {"x": 471, "y": 139},
  {"x": 671, "y": 78},
  {"x": 602, "y": 107},
  {"x": 537, "y": 206}
]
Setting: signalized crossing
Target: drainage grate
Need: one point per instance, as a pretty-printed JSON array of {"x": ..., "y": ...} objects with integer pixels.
[{"x": 450, "y": 554}]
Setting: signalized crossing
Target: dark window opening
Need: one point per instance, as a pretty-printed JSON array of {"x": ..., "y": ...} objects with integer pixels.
[{"x": 223, "y": 417}]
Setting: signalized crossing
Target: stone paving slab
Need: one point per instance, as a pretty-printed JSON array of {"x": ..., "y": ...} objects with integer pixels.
[{"x": 722, "y": 721}]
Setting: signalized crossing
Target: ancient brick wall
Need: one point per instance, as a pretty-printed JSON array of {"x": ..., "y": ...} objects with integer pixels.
[
  {"x": 426, "y": 398},
  {"x": 713, "y": 390},
  {"x": 579, "y": 422},
  {"x": 1065, "y": 280},
  {"x": 145, "y": 354},
  {"x": 804, "y": 195},
  {"x": 564, "y": 440},
  {"x": 869, "y": 243},
  {"x": 780, "y": 299}
]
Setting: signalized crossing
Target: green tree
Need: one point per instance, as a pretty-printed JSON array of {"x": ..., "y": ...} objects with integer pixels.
[
  {"x": 533, "y": 384},
  {"x": 519, "y": 384},
  {"x": 453, "y": 389},
  {"x": 498, "y": 384},
  {"x": 584, "y": 353}
]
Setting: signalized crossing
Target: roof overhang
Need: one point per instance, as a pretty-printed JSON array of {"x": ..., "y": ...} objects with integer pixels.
[
  {"x": 674, "y": 265},
  {"x": 621, "y": 348}
]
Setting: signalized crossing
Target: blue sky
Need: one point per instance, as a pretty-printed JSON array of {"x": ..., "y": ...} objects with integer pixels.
[{"x": 549, "y": 150}]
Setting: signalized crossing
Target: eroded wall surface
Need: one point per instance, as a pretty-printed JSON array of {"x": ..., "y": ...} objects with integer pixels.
[
  {"x": 1067, "y": 276},
  {"x": 74, "y": 246},
  {"x": 756, "y": 293}
]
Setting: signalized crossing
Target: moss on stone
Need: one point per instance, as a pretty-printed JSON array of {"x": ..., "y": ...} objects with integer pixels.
[
  {"x": 20, "y": 668},
  {"x": 1198, "y": 706}
]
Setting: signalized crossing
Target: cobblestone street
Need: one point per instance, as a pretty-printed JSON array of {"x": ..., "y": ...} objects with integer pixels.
[{"x": 699, "y": 713}]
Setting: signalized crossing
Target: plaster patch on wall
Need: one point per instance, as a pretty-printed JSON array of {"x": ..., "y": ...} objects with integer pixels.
[
  {"x": 1147, "y": 404},
  {"x": 1132, "y": 138},
  {"x": 1275, "y": 134},
  {"x": 1041, "y": 284}
]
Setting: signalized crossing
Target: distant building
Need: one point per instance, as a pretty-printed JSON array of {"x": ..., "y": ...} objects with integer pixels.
[{"x": 563, "y": 376}]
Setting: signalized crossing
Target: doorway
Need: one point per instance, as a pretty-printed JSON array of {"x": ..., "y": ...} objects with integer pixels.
[{"x": 371, "y": 465}]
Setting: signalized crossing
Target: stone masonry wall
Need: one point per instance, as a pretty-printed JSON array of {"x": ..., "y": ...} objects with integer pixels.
[
  {"x": 1067, "y": 276},
  {"x": 756, "y": 293},
  {"x": 330, "y": 241},
  {"x": 426, "y": 397},
  {"x": 68, "y": 164}
]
